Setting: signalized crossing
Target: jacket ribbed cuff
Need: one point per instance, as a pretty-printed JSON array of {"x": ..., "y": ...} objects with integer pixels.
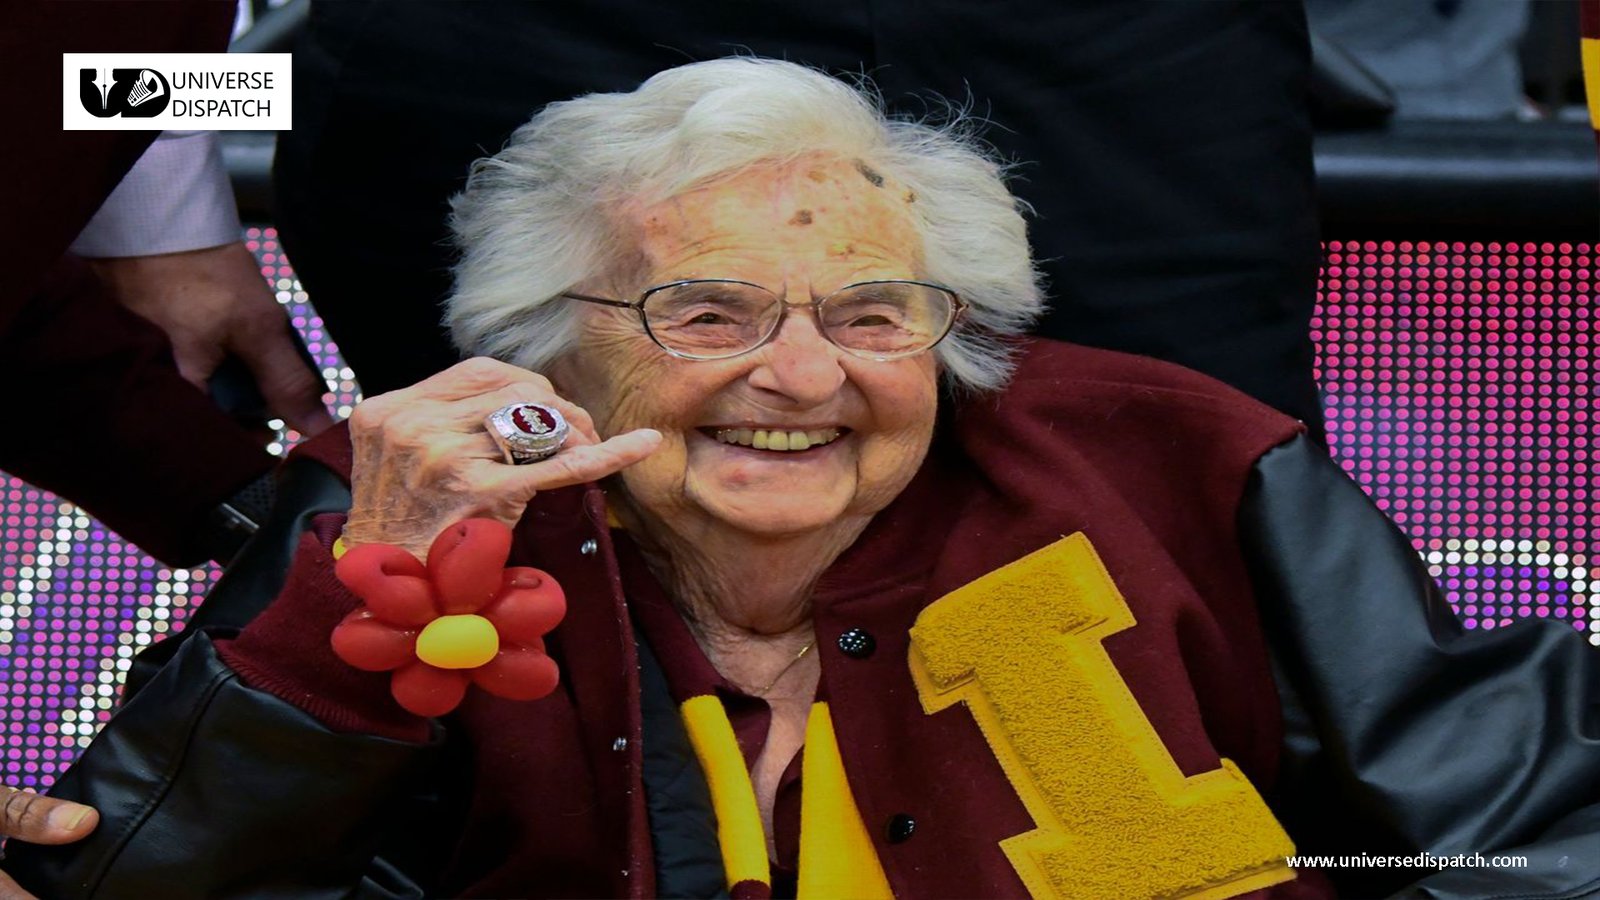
[{"x": 287, "y": 650}]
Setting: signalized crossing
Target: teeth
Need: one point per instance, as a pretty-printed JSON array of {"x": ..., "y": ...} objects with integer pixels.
[{"x": 773, "y": 439}]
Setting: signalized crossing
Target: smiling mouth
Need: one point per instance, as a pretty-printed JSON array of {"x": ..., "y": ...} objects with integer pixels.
[{"x": 783, "y": 441}]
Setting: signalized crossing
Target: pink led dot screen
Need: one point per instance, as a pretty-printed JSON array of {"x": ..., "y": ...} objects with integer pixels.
[{"x": 1458, "y": 382}]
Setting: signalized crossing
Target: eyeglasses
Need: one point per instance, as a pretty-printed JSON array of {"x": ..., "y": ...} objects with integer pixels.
[{"x": 719, "y": 318}]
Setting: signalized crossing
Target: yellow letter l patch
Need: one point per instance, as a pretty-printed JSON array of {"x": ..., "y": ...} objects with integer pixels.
[{"x": 1021, "y": 647}]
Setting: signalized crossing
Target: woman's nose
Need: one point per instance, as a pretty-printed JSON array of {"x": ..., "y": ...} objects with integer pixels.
[{"x": 799, "y": 363}]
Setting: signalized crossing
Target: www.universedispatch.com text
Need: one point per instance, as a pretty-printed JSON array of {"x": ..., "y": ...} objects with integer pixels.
[{"x": 1423, "y": 860}]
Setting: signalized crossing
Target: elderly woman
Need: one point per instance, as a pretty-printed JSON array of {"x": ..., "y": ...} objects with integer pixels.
[{"x": 865, "y": 594}]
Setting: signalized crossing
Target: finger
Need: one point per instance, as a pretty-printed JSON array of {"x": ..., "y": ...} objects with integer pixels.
[
  {"x": 475, "y": 377},
  {"x": 485, "y": 446},
  {"x": 478, "y": 445},
  {"x": 38, "y": 819},
  {"x": 196, "y": 361},
  {"x": 463, "y": 395},
  {"x": 575, "y": 465},
  {"x": 428, "y": 448},
  {"x": 290, "y": 388},
  {"x": 471, "y": 413}
]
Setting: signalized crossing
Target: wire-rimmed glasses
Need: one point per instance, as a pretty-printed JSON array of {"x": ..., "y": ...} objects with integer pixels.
[{"x": 719, "y": 318}]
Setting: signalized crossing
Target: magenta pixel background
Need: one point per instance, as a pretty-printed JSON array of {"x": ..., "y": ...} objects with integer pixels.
[
  {"x": 1458, "y": 382},
  {"x": 1459, "y": 388}
]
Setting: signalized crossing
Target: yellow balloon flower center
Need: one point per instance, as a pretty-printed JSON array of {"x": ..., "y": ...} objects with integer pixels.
[{"x": 458, "y": 642}]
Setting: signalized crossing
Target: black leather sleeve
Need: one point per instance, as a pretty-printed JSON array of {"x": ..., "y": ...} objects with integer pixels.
[
  {"x": 304, "y": 489},
  {"x": 1405, "y": 732},
  {"x": 208, "y": 788}
]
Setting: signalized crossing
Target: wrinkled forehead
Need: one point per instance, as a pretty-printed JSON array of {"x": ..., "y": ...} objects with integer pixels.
[{"x": 805, "y": 209}]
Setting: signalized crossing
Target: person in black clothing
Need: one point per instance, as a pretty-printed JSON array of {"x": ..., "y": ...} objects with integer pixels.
[{"x": 1164, "y": 147}]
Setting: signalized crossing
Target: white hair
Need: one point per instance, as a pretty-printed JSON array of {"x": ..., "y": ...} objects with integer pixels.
[{"x": 539, "y": 217}]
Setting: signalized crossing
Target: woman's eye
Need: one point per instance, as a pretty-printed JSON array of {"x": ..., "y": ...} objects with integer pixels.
[
  {"x": 707, "y": 318},
  {"x": 870, "y": 322}
]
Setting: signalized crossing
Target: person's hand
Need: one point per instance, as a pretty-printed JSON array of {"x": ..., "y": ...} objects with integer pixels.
[
  {"x": 214, "y": 304},
  {"x": 423, "y": 460},
  {"x": 37, "y": 819}
]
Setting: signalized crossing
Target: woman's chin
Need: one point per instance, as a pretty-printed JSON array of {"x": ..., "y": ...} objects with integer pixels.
[{"x": 773, "y": 514}]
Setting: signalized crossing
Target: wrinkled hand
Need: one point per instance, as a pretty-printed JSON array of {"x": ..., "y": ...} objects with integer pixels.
[
  {"x": 214, "y": 304},
  {"x": 423, "y": 460},
  {"x": 37, "y": 819}
]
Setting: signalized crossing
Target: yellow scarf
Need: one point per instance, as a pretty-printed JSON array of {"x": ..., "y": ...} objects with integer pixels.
[{"x": 836, "y": 855}]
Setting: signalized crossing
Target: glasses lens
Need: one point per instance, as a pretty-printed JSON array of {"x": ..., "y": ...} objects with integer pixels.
[
  {"x": 889, "y": 318},
  {"x": 710, "y": 319}
]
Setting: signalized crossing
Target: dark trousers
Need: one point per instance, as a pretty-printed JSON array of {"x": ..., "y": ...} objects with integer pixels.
[{"x": 1164, "y": 146}]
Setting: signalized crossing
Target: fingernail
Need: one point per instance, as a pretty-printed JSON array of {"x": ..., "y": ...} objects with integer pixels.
[{"x": 69, "y": 816}]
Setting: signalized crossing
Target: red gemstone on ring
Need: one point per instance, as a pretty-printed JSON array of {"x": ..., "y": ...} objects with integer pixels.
[{"x": 531, "y": 419}]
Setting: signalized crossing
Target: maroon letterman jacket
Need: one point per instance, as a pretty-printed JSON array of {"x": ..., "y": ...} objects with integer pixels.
[{"x": 1175, "y": 480}]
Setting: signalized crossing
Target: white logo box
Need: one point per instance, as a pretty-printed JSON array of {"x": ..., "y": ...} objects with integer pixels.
[{"x": 193, "y": 91}]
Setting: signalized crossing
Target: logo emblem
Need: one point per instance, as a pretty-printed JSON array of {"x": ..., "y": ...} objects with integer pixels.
[{"x": 126, "y": 93}]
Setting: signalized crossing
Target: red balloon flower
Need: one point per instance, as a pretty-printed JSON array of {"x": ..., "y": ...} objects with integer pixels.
[{"x": 462, "y": 618}]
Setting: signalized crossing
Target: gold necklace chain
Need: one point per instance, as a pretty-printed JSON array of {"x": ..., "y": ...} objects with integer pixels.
[{"x": 785, "y": 670}]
